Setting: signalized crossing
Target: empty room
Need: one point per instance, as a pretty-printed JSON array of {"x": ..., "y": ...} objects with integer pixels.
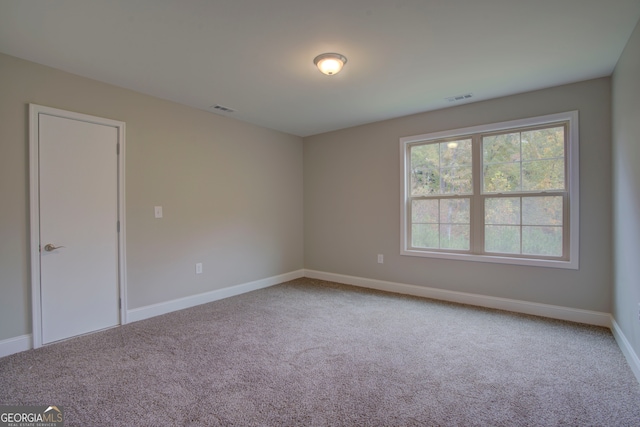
[{"x": 296, "y": 213}]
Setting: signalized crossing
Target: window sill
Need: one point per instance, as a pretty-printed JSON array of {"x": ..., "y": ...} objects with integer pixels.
[{"x": 569, "y": 265}]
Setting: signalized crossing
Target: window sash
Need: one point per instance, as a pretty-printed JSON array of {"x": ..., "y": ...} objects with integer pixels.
[
  {"x": 521, "y": 161},
  {"x": 564, "y": 255},
  {"x": 477, "y": 224}
]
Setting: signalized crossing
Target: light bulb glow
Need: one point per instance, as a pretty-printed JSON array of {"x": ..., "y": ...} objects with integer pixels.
[
  {"x": 330, "y": 63},
  {"x": 330, "y": 66}
]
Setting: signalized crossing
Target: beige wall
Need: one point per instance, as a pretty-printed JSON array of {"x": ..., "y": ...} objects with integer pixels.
[
  {"x": 352, "y": 202},
  {"x": 231, "y": 192},
  {"x": 626, "y": 191}
]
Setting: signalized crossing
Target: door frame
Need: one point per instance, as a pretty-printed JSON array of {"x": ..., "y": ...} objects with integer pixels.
[{"x": 34, "y": 188}]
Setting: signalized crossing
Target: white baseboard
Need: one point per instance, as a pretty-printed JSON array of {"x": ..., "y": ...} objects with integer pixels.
[
  {"x": 24, "y": 342},
  {"x": 149, "y": 311},
  {"x": 15, "y": 345},
  {"x": 627, "y": 350},
  {"x": 518, "y": 306}
]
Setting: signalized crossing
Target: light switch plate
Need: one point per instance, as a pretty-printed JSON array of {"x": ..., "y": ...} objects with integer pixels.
[{"x": 158, "y": 211}]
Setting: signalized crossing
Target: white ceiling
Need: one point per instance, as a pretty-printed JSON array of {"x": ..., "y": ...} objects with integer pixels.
[{"x": 256, "y": 56}]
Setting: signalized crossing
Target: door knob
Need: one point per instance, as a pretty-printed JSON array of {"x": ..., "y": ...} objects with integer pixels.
[{"x": 49, "y": 247}]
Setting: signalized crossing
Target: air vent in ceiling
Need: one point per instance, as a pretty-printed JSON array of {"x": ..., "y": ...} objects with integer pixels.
[
  {"x": 459, "y": 97},
  {"x": 222, "y": 108}
]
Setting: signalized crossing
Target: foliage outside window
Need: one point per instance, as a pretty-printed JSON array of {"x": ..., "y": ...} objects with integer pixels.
[{"x": 506, "y": 192}]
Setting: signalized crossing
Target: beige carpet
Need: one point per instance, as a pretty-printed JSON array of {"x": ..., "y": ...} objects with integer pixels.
[{"x": 315, "y": 353}]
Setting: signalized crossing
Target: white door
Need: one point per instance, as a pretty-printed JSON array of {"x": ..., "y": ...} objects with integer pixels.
[{"x": 78, "y": 214}]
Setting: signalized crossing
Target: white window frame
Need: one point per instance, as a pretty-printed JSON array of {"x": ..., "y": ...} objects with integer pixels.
[{"x": 573, "y": 190}]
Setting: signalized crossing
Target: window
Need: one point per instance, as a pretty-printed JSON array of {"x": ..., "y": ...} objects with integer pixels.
[{"x": 505, "y": 192}]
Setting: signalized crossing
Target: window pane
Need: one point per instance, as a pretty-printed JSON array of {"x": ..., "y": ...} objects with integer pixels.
[
  {"x": 424, "y": 211},
  {"x": 456, "y": 180},
  {"x": 543, "y": 175},
  {"x": 542, "y": 210},
  {"x": 501, "y": 148},
  {"x": 502, "y": 178},
  {"x": 441, "y": 168},
  {"x": 425, "y": 236},
  {"x": 543, "y": 143},
  {"x": 455, "y": 153},
  {"x": 453, "y": 236},
  {"x": 502, "y": 210},
  {"x": 455, "y": 164},
  {"x": 544, "y": 241},
  {"x": 425, "y": 170},
  {"x": 454, "y": 211},
  {"x": 502, "y": 238},
  {"x": 441, "y": 223}
]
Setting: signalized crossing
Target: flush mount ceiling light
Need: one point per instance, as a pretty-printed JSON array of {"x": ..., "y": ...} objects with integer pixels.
[{"x": 330, "y": 63}]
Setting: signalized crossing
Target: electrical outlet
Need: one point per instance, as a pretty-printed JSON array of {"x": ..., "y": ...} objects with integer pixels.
[
  {"x": 158, "y": 211},
  {"x": 199, "y": 268},
  {"x": 380, "y": 259}
]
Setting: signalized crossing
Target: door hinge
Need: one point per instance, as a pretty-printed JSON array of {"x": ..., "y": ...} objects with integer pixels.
[
  {"x": 119, "y": 302},
  {"x": 118, "y": 226},
  {"x": 118, "y": 148}
]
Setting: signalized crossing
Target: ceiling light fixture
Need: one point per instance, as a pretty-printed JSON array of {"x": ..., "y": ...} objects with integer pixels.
[{"x": 330, "y": 63}]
